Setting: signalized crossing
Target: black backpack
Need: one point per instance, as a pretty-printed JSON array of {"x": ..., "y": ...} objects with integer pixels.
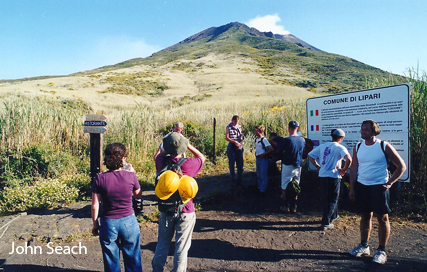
[
  {"x": 390, "y": 166},
  {"x": 174, "y": 203}
]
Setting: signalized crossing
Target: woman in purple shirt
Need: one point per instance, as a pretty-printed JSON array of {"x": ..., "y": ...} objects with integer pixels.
[{"x": 118, "y": 227}]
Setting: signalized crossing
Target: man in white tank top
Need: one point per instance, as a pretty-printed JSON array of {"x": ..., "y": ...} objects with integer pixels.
[{"x": 369, "y": 187}]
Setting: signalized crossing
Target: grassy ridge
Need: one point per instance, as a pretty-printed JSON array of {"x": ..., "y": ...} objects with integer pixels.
[{"x": 321, "y": 70}]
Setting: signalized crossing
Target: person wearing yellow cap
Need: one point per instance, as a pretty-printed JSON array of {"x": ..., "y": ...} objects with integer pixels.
[{"x": 182, "y": 226}]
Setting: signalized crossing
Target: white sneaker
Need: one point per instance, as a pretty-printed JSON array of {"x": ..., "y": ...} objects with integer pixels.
[
  {"x": 336, "y": 218},
  {"x": 327, "y": 227},
  {"x": 359, "y": 251},
  {"x": 380, "y": 257}
]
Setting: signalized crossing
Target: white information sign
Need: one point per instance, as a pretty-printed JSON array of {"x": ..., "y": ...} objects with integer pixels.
[{"x": 388, "y": 106}]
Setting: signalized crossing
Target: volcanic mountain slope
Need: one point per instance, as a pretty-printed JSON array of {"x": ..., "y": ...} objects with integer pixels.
[
  {"x": 282, "y": 59},
  {"x": 213, "y": 32},
  {"x": 231, "y": 62}
]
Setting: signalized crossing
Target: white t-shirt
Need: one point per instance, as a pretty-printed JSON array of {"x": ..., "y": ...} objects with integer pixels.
[
  {"x": 258, "y": 146},
  {"x": 329, "y": 156}
]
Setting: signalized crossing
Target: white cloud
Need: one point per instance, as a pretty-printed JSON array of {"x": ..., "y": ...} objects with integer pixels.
[{"x": 268, "y": 23}]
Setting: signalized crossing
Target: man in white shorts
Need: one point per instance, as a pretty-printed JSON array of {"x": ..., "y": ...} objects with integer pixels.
[{"x": 291, "y": 149}]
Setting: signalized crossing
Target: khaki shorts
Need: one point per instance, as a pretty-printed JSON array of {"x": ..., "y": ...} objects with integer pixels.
[{"x": 288, "y": 173}]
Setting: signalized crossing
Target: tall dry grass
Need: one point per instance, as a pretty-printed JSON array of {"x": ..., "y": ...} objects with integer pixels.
[
  {"x": 31, "y": 121},
  {"x": 415, "y": 200},
  {"x": 54, "y": 128},
  {"x": 412, "y": 196}
]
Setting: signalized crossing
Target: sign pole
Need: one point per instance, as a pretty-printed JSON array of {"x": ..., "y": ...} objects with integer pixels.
[
  {"x": 95, "y": 126},
  {"x": 214, "y": 140},
  {"x": 95, "y": 155}
]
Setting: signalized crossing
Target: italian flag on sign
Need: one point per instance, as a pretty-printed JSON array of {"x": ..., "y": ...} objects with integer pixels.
[{"x": 314, "y": 113}]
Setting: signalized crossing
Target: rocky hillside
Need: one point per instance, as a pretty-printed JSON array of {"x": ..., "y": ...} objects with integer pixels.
[{"x": 213, "y": 32}]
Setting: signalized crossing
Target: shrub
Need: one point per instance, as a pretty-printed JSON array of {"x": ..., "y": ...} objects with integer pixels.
[
  {"x": 31, "y": 163},
  {"x": 81, "y": 182},
  {"x": 40, "y": 161},
  {"x": 45, "y": 193},
  {"x": 201, "y": 137}
]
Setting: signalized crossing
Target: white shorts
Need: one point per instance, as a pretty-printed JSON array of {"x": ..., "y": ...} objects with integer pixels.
[{"x": 288, "y": 173}]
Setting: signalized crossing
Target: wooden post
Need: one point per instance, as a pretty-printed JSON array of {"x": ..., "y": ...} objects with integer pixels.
[
  {"x": 95, "y": 126},
  {"x": 95, "y": 155},
  {"x": 214, "y": 141}
]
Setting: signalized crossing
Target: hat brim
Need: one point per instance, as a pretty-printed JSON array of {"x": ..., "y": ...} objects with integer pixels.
[
  {"x": 185, "y": 200},
  {"x": 160, "y": 195}
]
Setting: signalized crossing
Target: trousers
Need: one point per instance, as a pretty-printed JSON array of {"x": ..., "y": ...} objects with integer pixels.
[
  {"x": 235, "y": 157},
  {"x": 122, "y": 233},
  {"x": 262, "y": 173},
  {"x": 330, "y": 192},
  {"x": 182, "y": 227}
]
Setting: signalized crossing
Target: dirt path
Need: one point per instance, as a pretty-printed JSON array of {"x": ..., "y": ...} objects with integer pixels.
[{"x": 248, "y": 233}]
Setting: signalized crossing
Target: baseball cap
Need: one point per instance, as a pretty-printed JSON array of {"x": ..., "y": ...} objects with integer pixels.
[
  {"x": 293, "y": 124},
  {"x": 338, "y": 132},
  {"x": 175, "y": 144}
]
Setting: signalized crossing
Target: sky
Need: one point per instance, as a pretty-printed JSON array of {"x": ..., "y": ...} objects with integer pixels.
[{"x": 60, "y": 37}]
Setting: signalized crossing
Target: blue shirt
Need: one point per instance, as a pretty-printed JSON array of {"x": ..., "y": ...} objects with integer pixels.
[{"x": 291, "y": 149}]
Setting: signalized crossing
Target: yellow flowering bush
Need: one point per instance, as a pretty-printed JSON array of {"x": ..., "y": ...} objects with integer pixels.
[
  {"x": 45, "y": 193},
  {"x": 79, "y": 181},
  {"x": 276, "y": 108}
]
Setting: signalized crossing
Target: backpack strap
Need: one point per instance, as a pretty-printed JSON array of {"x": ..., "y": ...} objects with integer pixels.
[
  {"x": 181, "y": 161},
  {"x": 262, "y": 142},
  {"x": 382, "y": 144},
  {"x": 177, "y": 166},
  {"x": 179, "y": 205}
]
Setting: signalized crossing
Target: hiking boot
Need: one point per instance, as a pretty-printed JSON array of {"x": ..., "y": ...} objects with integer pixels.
[
  {"x": 327, "y": 227},
  {"x": 380, "y": 257},
  {"x": 359, "y": 251}
]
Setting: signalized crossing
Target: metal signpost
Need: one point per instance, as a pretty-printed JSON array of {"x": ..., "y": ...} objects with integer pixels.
[
  {"x": 95, "y": 126},
  {"x": 389, "y": 106}
]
